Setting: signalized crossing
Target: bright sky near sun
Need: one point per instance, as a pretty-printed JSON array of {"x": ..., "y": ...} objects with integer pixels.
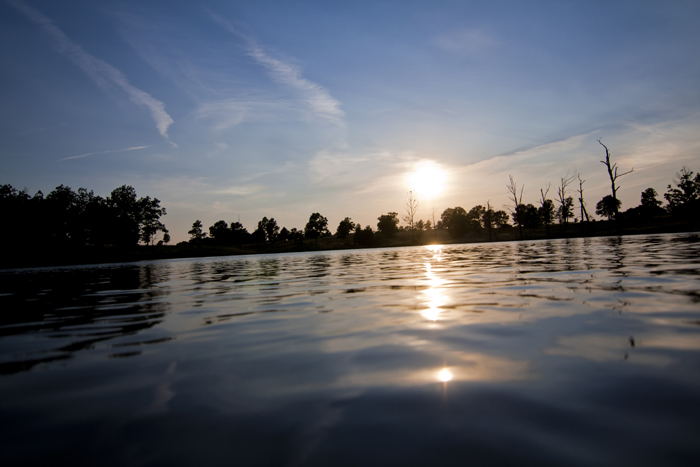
[{"x": 243, "y": 109}]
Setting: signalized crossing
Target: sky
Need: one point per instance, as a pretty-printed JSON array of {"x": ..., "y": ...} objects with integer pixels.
[{"x": 235, "y": 110}]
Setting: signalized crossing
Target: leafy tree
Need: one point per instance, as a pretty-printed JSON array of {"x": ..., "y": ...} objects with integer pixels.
[
  {"x": 388, "y": 224},
  {"x": 546, "y": 213},
  {"x": 283, "y": 235},
  {"x": 219, "y": 232},
  {"x": 566, "y": 210},
  {"x": 607, "y": 207},
  {"x": 270, "y": 229},
  {"x": 420, "y": 225},
  {"x": 125, "y": 216},
  {"x": 455, "y": 221},
  {"x": 684, "y": 197},
  {"x": 364, "y": 237},
  {"x": 500, "y": 219},
  {"x": 238, "y": 234},
  {"x": 649, "y": 199},
  {"x": 475, "y": 216},
  {"x": 296, "y": 235},
  {"x": 316, "y": 227},
  {"x": 150, "y": 225},
  {"x": 196, "y": 234},
  {"x": 344, "y": 228}
]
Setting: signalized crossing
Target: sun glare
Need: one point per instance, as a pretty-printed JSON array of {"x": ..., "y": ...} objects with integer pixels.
[{"x": 427, "y": 180}]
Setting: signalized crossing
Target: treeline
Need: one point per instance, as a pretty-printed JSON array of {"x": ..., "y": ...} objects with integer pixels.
[
  {"x": 484, "y": 222},
  {"x": 66, "y": 218}
]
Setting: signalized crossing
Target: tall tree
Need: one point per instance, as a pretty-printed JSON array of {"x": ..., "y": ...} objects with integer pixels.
[
  {"x": 581, "y": 202},
  {"x": 516, "y": 200},
  {"x": 607, "y": 207},
  {"x": 566, "y": 203},
  {"x": 316, "y": 227},
  {"x": 344, "y": 228},
  {"x": 546, "y": 208},
  {"x": 455, "y": 221},
  {"x": 686, "y": 193},
  {"x": 196, "y": 234},
  {"x": 150, "y": 213},
  {"x": 612, "y": 173},
  {"x": 388, "y": 224},
  {"x": 411, "y": 209}
]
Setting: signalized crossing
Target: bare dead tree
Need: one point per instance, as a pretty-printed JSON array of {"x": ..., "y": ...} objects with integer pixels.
[
  {"x": 565, "y": 202},
  {"x": 547, "y": 209},
  {"x": 488, "y": 218},
  {"x": 434, "y": 224},
  {"x": 411, "y": 209},
  {"x": 513, "y": 196},
  {"x": 584, "y": 212},
  {"x": 612, "y": 172}
]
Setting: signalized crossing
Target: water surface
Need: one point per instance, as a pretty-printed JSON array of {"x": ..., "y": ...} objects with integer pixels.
[{"x": 563, "y": 352}]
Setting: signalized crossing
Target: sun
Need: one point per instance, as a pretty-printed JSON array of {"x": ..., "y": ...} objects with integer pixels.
[{"x": 427, "y": 180}]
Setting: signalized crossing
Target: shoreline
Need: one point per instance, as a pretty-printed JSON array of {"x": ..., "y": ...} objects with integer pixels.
[{"x": 55, "y": 256}]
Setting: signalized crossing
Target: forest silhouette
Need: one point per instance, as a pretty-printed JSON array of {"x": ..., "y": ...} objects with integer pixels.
[{"x": 74, "y": 227}]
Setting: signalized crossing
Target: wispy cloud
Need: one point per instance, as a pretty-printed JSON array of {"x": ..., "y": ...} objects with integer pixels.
[
  {"x": 229, "y": 113},
  {"x": 104, "y": 74},
  {"x": 466, "y": 41},
  {"x": 316, "y": 97},
  {"x": 104, "y": 152}
]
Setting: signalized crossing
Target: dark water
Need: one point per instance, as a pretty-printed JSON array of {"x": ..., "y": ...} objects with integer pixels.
[{"x": 565, "y": 352}]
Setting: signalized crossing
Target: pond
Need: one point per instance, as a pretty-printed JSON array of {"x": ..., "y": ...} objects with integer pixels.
[{"x": 561, "y": 352}]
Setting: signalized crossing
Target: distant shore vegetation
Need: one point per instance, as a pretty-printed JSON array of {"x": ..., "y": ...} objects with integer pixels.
[{"x": 75, "y": 227}]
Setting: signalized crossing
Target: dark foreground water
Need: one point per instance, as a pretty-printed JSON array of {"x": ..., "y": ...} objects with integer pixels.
[{"x": 564, "y": 352}]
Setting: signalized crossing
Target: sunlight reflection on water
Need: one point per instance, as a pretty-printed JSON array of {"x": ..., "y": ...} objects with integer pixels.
[{"x": 323, "y": 352}]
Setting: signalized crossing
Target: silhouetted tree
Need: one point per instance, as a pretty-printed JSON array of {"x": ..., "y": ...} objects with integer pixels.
[
  {"x": 283, "y": 235},
  {"x": 150, "y": 212},
  {"x": 344, "y": 228},
  {"x": 411, "y": 209},
  {"x": 316, "y": 227},
  {"x": 455, "y": 221},
  {"x": 684, "y": 198},
  {"x": 530, "y": 216},
  {"x": 219, "y": 232},
  {"x": 196, "y": 234},
  {"x": 612, "y": 172},
  {"x": 608, "y": 207},
  {"x": 566, "y": 203},
  {"x": 566, "y": 211},
  {"x": 270, "y": 228},
  {"x": 420, "y": 225},
  {"x": 296, "y": 235},
  {"x": 364, "y": 237},
  {"x": 516, "y": 200},
  {"x": 388, "y": 224},
  {"x": 500, "y": 219},
  {"x": 475, "y": 216},
  {"x": 649, "y": 199},
  {"x": 581, "y": 202},
  {"x": 238, "y": 234},
  {"x": 649, "y": 207}
]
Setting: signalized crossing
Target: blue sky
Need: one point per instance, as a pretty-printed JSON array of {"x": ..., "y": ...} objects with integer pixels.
[{"x": 244, "y": 109}]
